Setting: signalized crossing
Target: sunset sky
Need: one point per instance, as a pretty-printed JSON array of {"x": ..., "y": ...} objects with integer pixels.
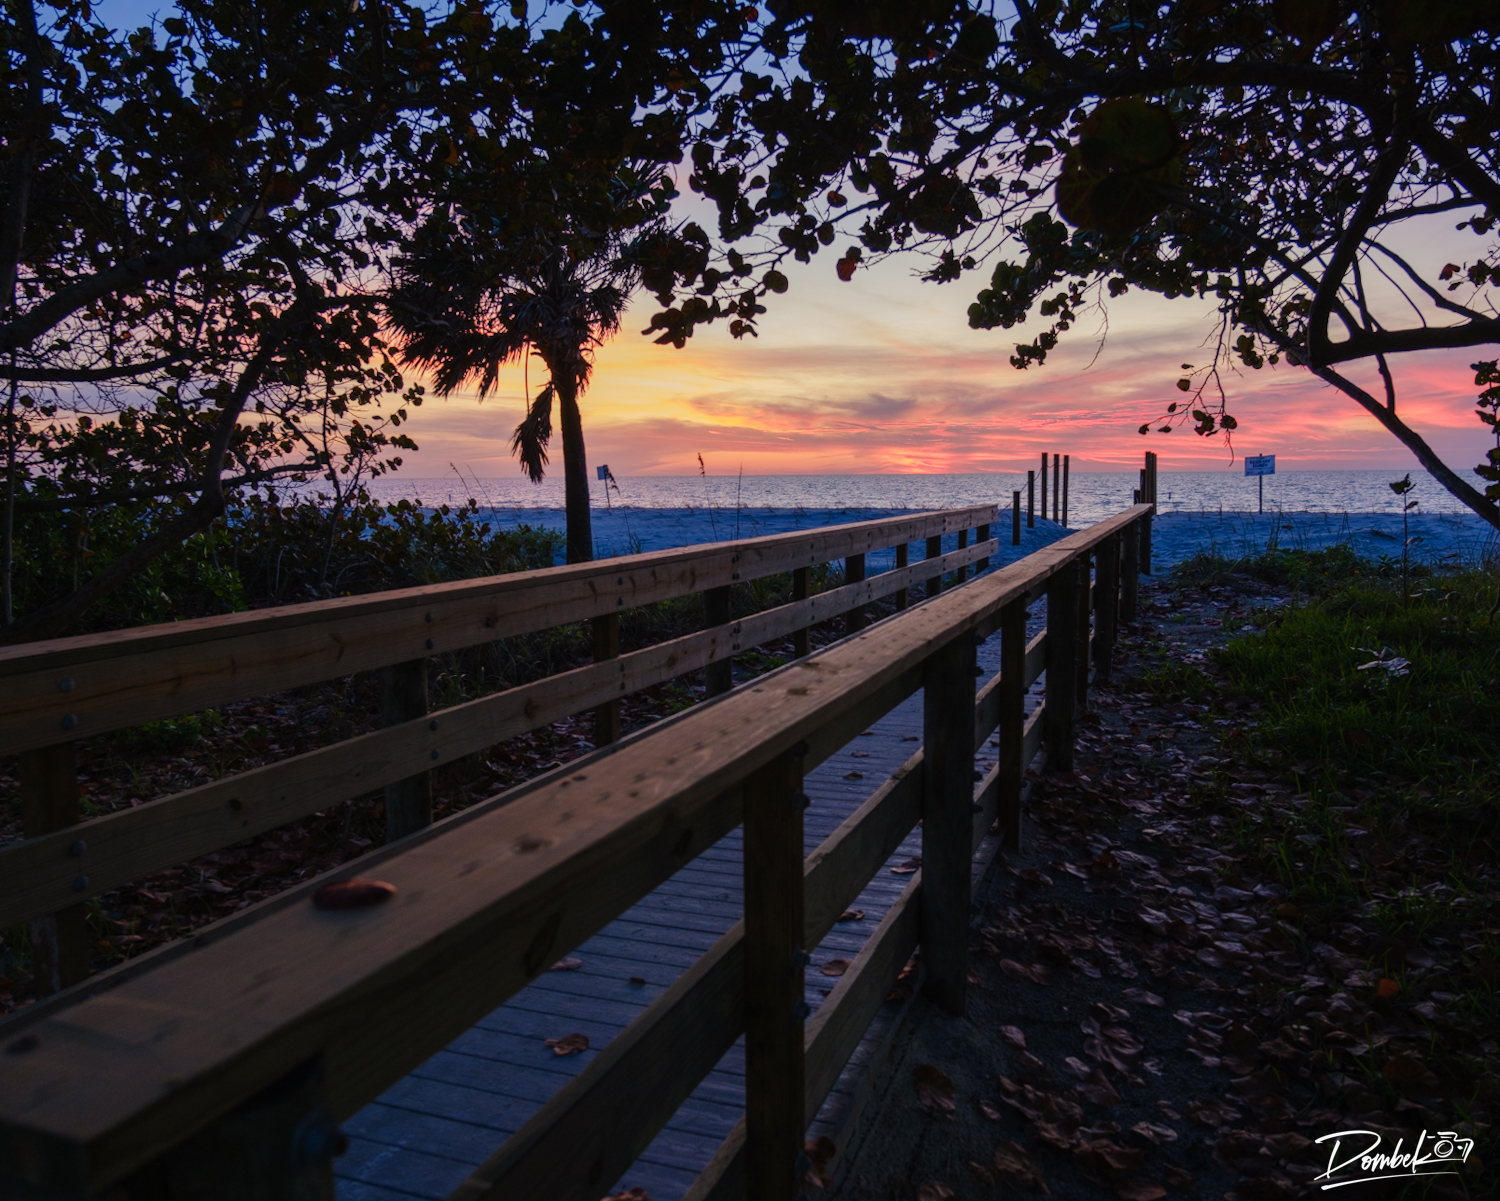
[{"x": 883, "y": 375}]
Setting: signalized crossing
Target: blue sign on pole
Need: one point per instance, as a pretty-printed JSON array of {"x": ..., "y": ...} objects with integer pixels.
[{"x": 602, "y": 472}]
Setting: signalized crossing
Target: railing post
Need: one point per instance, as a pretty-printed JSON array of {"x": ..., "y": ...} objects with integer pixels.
[
  {"x": 935, "y": 551},
  {"x": 801, "y": 639},
  {"x": 280, "y": 1144},
  {"x": 1031, "y": 500},
  {"x": 854, "y": 573},
  {"x": 718, "y": 676},
  {"x": 1084, "y": 643},
  {"x": 1062, "y": 679},
  {"x": 1106, "y": 603},
  {"x": 962, "y": 573},
  {"x": 775, "y": 1124},
  {"x": 982, "y": 534},
  {"x": 1065, "y": 491},
  {"x": 1130, "y": 570},
  {"x": 1056, "y": 488},
  {"x": 1012, "y": 719},
  {"x": 1044, "y": 485},
  {"x": 607, "y": 646},
  {"x": 403, "y": 697},
  {"x": 49, "y": 802},
  {"x": 1015, "y": 519},
  {"x": 947, "y": 819},
  {"x": 903, "y": 595}
]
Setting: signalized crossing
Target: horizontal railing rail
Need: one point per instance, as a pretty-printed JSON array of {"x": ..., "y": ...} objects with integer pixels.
[
  {"x": 76, "y": 687},
  {"x": 303, "y": 1011}
]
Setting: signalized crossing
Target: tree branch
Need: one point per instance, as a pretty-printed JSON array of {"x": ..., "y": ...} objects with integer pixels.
[{"x": 121, "y": 496}]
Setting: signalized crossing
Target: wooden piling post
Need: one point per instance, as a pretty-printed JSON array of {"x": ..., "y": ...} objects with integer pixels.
[
  {"x": 606, "y": 631},
  {"x": 49, "y": 802},
  {"x": 1056, "y": 488},
  {"x": 1065, "y": 491},
  {"x": 402, "y": 688},
  {"x": 1044, "y": 485},
  {"x": 801, "y": 644},
  {"x": 854, "y": 573},
  {"x": 947, "y": 819},
  {"x": 1148, "y": 495},
  {"x": 718, "y": 676},
  {"x": 775, "y": 1010},
  {"x": 1031, "y": 498},
  {"x": 1015, "y": 519},
  {"x": 1012, "y": 719},
  {"x": 1062, "y": 679},
  {"x": 935, "y": 551},
  {"x": 1106, "y": 604},
  {"x": 1130, "y": 570},
  {"x": 982, "y": 534},
  {"x": 903, "y": 595}
]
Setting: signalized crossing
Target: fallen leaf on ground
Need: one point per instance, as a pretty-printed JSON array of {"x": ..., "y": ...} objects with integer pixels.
[
  {"x": 854, "y": 775},
  {"x": 1211, "y": 1113},
  {"x": 1387, "y": 988},
  {"x": 819, "y": 1151},
  {"x": 566, "y": 965},
  {"x": 1177, "y": 1177},
  {"x": 1144, "y": 997},
  {"x": 906, "y": 869},
  {"x": 934, "y": 1089},
  {"x": 1156, "y": 1132},
  {"x": 1098, "y": 1089},
  {"x": 1140, "y": 1189},
  {"x": 1014, "y": 1036},
  {"x": 638, "y": 979},
  {"x": 1014, "y": 1165},
  {"x": 1168, "y": 1112},
  {"x": 1104, "y": 1157},
  {"x": 989, "y": 1111},
  {"x": 835, "y": 967},
  {"x": 852, "y": 915},
  {"x": 933, "y": 1191},
  {"x": 630, "y": 1194},
  {"x": 982, "y": 1173},
  {"x": 1406, "y": 1071},
  {"x": 1037, "y": 973},
  {"x": 569, "y": 1044}
]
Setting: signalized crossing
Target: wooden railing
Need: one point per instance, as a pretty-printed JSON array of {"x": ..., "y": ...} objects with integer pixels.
[
  {"x": 232, "y": 1060},
  {"x": 54, "y": 692}
]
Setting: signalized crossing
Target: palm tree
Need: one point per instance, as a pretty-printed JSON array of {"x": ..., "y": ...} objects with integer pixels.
[{"x": 462, "y": 316}]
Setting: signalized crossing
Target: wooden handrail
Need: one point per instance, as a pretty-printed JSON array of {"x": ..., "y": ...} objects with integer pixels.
[
  {"x": 71, "y": 688},
  {"x": 483, "y": 905}
]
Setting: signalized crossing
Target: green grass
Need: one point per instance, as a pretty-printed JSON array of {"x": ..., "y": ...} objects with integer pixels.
[{"x": 1430, "y": 731}]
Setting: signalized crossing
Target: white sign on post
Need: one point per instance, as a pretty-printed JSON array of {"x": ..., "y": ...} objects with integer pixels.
[{"x": 1261, "y": 466}]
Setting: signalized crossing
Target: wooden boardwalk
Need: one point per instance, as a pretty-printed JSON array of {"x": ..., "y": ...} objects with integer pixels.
[{"x": 423, "y": 1136}]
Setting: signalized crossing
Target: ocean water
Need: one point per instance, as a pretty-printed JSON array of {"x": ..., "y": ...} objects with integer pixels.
[{"x": 1200, "y": 510}]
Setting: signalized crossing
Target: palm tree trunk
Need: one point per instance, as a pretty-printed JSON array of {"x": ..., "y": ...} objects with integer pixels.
[{"x": 575, "y": 470}]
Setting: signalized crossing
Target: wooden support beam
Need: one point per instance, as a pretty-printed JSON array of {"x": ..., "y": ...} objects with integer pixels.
[
  {"x": 1106, "y": 604},
  {"x": 718, "y": 676},
  {"x": 1012, "y": 719},
  {"x": 962, "y": 573},
  {"x": 49, "y": 803},
  {"x": 903, "y": 595},
  {"x": 774, "y": 963},
  {"x": 1130, "y": 572},
  {"x": 1085, "y": 632},
  {"x": 947, "y": 797},
  {"x": 606, "y": 631},
  {"x": 403, "y": 698},
  {"x": 280, "y": 1144},
  {"x": 934, "y": 551},
  {"x": 982, "y": 534},
  {"x": 801, "y": 636},
  {"x": 1062, "y": 680},
  {"x": 854, "y": 573},
  {"x": 1145, "y": 528}
]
